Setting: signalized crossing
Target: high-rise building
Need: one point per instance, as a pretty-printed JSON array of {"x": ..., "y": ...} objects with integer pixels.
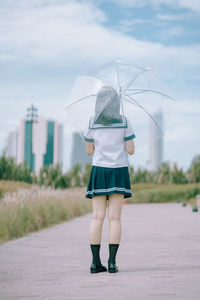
[
  {"x": 156, "y": 142},
  {"x": 79, "y": 154},
  {"x": 12, "y": 145},
  {"x": 40, "y": 141}
]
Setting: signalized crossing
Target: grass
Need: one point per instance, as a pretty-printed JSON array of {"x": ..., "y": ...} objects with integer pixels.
[
  {"x": 27, "y": 208},
  {"x": 9, "y": 186},
  {"x": 156, "y": 193},
  {"x": 36, "y": 208}
]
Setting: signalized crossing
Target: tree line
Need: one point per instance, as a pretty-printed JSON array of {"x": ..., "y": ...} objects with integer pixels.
[{"x": 79, "y": 175}]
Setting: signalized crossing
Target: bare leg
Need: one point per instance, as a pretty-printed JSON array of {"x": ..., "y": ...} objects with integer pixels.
[
  {"x": 99, "y": 211},
  {"x": 115, "y": 203}
]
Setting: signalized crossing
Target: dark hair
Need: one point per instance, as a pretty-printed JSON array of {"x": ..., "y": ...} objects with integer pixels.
[{"x": 107, "y": 108}]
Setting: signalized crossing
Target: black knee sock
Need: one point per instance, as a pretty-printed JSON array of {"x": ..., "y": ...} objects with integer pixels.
[
  {"x": 112, "y": 251},
  {"x": 95, "y": 253}
]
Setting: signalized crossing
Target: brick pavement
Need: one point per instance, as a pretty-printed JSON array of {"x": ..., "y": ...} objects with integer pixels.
[{"x": 158, "y": 258}]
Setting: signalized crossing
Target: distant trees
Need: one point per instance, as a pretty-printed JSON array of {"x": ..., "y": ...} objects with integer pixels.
[
  {"x": 10, "y": 171},
  {"x": 194, "y": 170},
  {"x": 165, "y": 174},
  {"x": 178, "y": 176},
  {"x": 52, "y": 176},
  {"x": 141, "y": 175},
  {"x": 76, "y": 175},
  {"x": 79, "y": 175},
  {"x": 86, "y": 175}
]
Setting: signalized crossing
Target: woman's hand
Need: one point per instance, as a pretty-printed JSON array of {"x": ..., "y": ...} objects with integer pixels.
[
  {"x": 130, "y": 146},
  {"x": 89, "y": 148}
]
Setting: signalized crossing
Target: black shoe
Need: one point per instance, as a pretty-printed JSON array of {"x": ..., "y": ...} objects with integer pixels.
[
  {"x": 112, "y": 268},
  {"x": 96, "y": 268}
]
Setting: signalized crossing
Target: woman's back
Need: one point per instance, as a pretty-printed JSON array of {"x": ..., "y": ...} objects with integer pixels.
[{"x": 109, "y": 144}]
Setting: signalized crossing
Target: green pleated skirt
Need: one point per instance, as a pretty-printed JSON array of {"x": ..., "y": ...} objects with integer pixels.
[{"x": 107, "y": 181}]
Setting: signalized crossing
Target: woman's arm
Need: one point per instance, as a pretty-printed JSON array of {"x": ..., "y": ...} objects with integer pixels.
[
  {"x": 89, "y": 148},
  {"x": 130, "y": 146}
]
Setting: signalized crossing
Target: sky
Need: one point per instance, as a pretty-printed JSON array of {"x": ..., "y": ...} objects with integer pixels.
[{"x": 45, "y": 44}]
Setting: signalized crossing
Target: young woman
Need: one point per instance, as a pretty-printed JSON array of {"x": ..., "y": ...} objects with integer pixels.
[{"x": 109, "y": 139}]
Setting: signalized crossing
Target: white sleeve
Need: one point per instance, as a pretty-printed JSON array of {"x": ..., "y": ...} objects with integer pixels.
[
  {"x": 89, "y": 136},
  {"x": 128, "y": 132}
]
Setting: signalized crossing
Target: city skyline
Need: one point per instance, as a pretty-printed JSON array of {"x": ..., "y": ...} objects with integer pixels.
[
  {"x": 74, "y": 139},
  {"x": 37, "y": 141},
  {"x": 16, "y": 142}
]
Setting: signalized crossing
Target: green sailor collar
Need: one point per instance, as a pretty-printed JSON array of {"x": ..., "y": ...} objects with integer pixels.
[{"x": 122, "y": 124}]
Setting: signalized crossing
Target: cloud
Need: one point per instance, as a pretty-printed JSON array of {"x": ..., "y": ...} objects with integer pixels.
[
  {"x": 193, "y": 5},
  {"x": 184, "y": 123},
  {"x": 170, "y": 17},
  {"x": 73, "y": 33},
  {"x": 44, "y": 44},
  {"x": 190, "y": 4},
  {"x": 171, "y": 32},
  {"x": 45, "y": 31},
  {"x": 127, "y": 25},
  {"x": 136, "y": 21}
]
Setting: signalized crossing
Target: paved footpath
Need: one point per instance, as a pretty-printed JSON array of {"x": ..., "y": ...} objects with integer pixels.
[{"x": 158, "y": 258}]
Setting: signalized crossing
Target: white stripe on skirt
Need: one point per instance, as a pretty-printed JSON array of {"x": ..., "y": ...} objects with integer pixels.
[{"x": 109, "y": 190}]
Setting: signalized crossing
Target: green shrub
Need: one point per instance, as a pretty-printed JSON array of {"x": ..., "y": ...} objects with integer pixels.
[{"x": 163, "y": 193}]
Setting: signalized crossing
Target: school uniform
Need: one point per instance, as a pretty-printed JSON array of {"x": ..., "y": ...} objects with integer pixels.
[{"x": 109, "y": 172}]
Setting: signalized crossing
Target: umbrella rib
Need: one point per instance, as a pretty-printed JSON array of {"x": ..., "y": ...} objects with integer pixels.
[
  {"x": 117, "y": 75},
  {"x": 136, "y": 104},
  {"x": 140, "y": 91},
  {"x": 144, "y": 110},
  {"x": 79, "y": 100},
  {"x": 77, "y": 125},
  {"x": 104, "y": 81},
  {"x": 132, "y": 80},
  {"x": 119, "y": 87}
]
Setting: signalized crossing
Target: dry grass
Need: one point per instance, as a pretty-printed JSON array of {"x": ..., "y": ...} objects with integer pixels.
[
  {"x": 26, "y": 208},
  {"x": 12, "y": 186},
  {"x": 32, "y": 209}
]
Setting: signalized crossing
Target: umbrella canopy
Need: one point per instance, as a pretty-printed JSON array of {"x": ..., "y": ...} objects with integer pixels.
[{"x": 118, "y": 92}]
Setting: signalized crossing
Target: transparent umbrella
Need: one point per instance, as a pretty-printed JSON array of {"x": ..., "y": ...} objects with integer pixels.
[{"x": 120, "y": 91}]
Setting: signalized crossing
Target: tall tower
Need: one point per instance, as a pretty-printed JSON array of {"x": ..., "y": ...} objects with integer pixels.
[
  {"x": 39, "y": 141},
  {"x": 31, "y": 118},
  {"x": 79, "y": 154},
  {"x": 12, "y": 145},
  {"x": 60, "y": 143},
  {"x": 156, "y": 142}
]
